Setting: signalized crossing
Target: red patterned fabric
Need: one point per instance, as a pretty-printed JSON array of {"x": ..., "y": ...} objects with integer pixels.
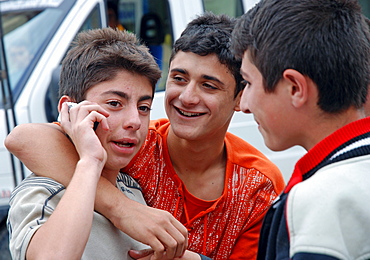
[{"x": 229, "y": 227}]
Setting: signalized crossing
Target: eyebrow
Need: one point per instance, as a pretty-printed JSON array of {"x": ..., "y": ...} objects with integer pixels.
[
  {"x": 125, "y": 96},
  {"x": 243, "y": 73},
  {"x": 207, "y": 77}
]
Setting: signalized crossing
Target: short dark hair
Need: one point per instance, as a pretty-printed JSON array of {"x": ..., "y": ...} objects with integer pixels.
[
  {"x": 97, "y": 55},
  {"x": 328, "y": 41},
  {"x": 211, "y": 34}
]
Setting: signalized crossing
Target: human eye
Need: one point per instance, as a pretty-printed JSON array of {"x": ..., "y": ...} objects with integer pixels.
[
  {"x": 209, "y": 86},
  {"x": 114, "y": 103},
  {"x": 178, "y": 78},
  {"x": 245, "y": 83},
  {"x": 144, "y": 109}
]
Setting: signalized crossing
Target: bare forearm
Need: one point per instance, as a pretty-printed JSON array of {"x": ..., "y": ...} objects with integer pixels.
[
  {"x": 45, "y": 150},
  {"x": 65, "y": 233}
]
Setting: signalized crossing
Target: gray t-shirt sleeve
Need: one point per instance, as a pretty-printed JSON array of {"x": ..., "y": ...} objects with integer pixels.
[{"x": 31, "y": 204}]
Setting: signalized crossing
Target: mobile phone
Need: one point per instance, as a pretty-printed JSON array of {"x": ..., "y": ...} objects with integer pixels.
[{"x": 72, "y": 104}]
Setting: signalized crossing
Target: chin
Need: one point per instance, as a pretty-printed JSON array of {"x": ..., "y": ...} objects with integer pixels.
[{"x": 273, "y": 146}]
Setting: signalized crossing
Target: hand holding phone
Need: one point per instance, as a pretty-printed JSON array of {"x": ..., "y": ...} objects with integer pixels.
[{"x": 70, "y": 105}]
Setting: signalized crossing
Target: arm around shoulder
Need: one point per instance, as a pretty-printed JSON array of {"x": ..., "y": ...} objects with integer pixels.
[{"x": 44, "y": 149}]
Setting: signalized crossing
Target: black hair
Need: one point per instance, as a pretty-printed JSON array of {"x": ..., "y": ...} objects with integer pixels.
[
  {"x": 326, "y": 40},
  {"x": 211, "y": 34}
]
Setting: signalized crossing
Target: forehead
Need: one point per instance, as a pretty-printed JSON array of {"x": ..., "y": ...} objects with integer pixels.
[
  {"x": 124, "y": 81},
  {"x": 199, "y": 66},
  {"x": 248, "y": 70}
]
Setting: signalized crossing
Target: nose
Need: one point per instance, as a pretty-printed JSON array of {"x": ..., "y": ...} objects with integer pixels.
[
  {"x": 189, "y": 95},
  {"x": 131, "y": 118},
  {"x": 244, "y": 103}
]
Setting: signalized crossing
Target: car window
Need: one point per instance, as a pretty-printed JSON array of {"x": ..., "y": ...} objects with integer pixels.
[
  {"x": 93, "y": 21},
  {"x": 233, "y": 8},
  {"x": 26, "y": 32},
  {"x": 150, "y": 20},
  {"x": 24, "y": 38}
]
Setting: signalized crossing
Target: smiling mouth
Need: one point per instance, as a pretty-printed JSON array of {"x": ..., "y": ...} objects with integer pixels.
[{"x": 188, "y": 114}]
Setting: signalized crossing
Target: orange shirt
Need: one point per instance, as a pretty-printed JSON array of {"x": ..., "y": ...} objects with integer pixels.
[{"x": 227, "y": 228}]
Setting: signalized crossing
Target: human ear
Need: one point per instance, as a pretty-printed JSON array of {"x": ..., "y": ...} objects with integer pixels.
[
  {"x": 62, "y": 100},
  {"x": 298, "y": 87}
]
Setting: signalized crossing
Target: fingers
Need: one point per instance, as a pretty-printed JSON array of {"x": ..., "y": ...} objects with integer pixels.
[
  {"x": 91, "y": 112},
  {"x": 154, "y": 227},
  {"x": 180, "y": 233},
  {"x": 172, "y": 242},
  {"x": 78, "y": 122},
  {"x": 85, "y": 111},
  {"x": 136, "y": 254}
]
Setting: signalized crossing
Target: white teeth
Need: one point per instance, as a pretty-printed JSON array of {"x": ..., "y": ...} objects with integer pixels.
[{"x": 189, "y": 114}]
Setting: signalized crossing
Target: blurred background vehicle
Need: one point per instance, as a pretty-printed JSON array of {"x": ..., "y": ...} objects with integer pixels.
[{"x": 35, "y": 36}]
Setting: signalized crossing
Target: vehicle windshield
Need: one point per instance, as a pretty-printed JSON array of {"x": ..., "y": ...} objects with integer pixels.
[{"x": 27, "y": 27}]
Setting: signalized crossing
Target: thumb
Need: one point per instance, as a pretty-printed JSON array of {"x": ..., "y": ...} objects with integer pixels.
[{"x": 136, "y": 254}]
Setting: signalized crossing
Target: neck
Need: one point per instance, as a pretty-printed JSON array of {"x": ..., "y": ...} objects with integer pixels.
[
  {"x": 326, "y": 124},
  {"x": 110, "y": 175},
  {"x": 200, "y": 165},
  {"x": 196, "y": 156}
]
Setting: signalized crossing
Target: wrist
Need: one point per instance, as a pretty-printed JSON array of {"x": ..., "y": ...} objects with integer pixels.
[
  {"x": 90, "y": 163},
  {"x": 89, "y": 168}
]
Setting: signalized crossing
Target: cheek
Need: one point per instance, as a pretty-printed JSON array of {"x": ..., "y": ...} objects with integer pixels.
[
  {"x": 171, "y": 92},
  {"x": 169, "y": 96},
  {"x": 143, "y": 132}
]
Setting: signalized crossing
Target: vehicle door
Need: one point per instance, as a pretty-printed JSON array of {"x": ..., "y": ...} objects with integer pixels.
[{"x": 35, "y": 36}]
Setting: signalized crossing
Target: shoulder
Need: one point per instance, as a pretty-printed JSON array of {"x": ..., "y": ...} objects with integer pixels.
[
  {"x": 157, "y": 129},
  {"x": 341, "y": 180},
  {"x": 31, "y": 204},
  {"x": 329, "y": 210},
  {"x": 34, "y": 188},
  {"x": 239, "y": 150},
  {"x": 159, "y": 125},
  {"x": 246, "y": 157},
  {"x": 130, "y": 187}
]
